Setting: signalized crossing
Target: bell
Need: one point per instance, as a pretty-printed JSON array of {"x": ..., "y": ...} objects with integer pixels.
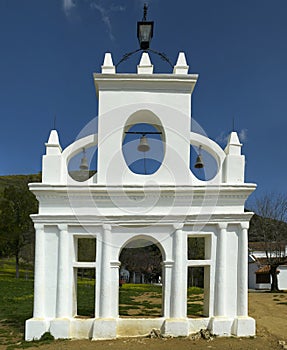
[
  {"x": 198, "y": 164},
  {"x": 143, "y": 145},
  {"x": 84, "y": 162}
]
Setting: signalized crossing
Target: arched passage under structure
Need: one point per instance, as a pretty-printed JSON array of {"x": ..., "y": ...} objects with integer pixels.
[{"x": 140, "y": 277}]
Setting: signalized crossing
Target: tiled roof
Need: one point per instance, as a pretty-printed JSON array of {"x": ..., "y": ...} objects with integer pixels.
[{"x": 263, "y": 270}]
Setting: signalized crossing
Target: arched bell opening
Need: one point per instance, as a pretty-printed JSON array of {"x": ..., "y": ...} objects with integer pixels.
[
  {"x": 83, "y": 165},
  {"x": 140, "y": 287},
  {"x": 143, "y": 142},
  {"x": 202, "y": 164}
]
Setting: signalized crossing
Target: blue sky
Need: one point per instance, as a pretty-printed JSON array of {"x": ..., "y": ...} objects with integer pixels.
[{"x": 50, "y": 48}]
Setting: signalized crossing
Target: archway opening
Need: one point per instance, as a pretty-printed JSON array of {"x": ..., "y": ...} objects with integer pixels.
[
  {"x": 202, "y": 164},
  {"x": 83, "y": 165},
  {"x": 143, "y": 148},
  {"x": 143, "y": 142},
  {"x": 140, "y": 291}
]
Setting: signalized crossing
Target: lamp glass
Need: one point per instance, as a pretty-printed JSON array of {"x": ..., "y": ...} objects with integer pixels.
[{"x": 145, "y": 33}]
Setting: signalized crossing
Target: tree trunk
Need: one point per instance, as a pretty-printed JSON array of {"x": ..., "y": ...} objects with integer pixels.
[
  {"x": 17, "y": 265},
  {"x": 274, "y": 277}
]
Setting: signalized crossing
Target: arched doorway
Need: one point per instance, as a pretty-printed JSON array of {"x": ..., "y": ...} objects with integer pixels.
[{"x": 140, "y": 287}]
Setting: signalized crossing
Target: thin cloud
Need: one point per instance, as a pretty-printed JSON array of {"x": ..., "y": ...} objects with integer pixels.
[
  {"x": 243, "y": 135},
  {"x": 105, "y": 18},
  {"x": 68, "y": 5},
  {"x": 117, "y": 8},
  {"x": 105, "y": 12},
  {"x": 222, "y": 138},
  {"x": 105, "y": 9}
]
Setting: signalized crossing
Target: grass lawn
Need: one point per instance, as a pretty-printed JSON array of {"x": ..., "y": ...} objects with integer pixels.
[{"x": 16, "y": 302}]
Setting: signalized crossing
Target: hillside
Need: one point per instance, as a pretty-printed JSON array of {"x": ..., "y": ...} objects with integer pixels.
[{"x": 18, "y": 180}]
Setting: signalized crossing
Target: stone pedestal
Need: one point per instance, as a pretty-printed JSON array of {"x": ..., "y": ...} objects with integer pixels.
[
  {"x": 35, "y": 328},
  {"x": 221, "y": 326},
  {"x": 105, "y": 328},
  {"x": 244, "y": 327},
  {"x": 175, "y": 327},
  {"x": 60, "y": 328}
]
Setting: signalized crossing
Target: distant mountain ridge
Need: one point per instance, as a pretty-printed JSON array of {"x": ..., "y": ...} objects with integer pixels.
[{"x": 18, "y": 180}]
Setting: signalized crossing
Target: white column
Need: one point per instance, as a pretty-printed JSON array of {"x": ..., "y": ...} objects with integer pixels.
[
  {"x": 166, "y": 287},
  {"x": 221, "y": 271},
  {"x": 242, "y": 306},
  {"x": 64, "y": 289},
  {"x": 39, "y": 274},
  {"x": 105, "y": 294},
  {"x": 114, "y": 287},
  {"x": 179, "y": 276}
]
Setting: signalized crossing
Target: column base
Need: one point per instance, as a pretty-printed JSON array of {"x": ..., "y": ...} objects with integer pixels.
[
  {"x": 60, "y": 328},
  {"x": 221, "y": 326},
  {"x": 104, "y": 328},
  {"x": 244, "y": 326},
  {"x": 35, "y": 328},
  {"x": 175, "y": 327}
]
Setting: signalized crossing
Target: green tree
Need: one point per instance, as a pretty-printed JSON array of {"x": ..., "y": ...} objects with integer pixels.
[
  {"x": 269, "y": 227},
  {"x": 142, "y": 256},
  {"x": 16, "y": 228}
]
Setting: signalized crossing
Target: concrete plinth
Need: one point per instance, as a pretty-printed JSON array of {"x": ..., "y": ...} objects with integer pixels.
[
  {"x": 35, "y": 328},
  {"x": 60, "y": 328},
  {"x": 175, "y": 327},
  {"x": 105, "y": 329},
  {"x": 244, "y": 327},
  {"x": 221, "y": 326}
]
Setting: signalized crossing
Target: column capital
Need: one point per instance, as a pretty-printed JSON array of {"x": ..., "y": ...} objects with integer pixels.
[
  {"x": 244, "y": 225},
  {"x": 222, "y": 225},
  {"x": 168, "y": 263},
  {"x": 63, "y": 227},
  {"x": 107, "y": 227},
  {"x": 115, "y": 264},
  {"x": 39, "y": 227},
  {"x": 178, "y": 226}
]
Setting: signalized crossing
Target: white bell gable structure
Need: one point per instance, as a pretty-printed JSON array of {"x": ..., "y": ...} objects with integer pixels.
[{"x": 116, "y": 206}]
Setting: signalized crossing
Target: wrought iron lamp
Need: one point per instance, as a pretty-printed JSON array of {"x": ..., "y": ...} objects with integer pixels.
[
  {"x": 144, "y": 35},
  {"x": 145, "y": 31}
]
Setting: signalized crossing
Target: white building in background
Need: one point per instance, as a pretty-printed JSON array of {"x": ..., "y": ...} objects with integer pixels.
[
  {"x": 259, "y": 270},
  {"x": 116, "y": 206}
]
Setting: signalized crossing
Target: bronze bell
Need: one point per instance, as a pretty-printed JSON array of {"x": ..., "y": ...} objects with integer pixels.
[
  {"x": 199, "y": 163},
  {"x": 143, "y": 145},
  {"x": 84, "y": 162}
]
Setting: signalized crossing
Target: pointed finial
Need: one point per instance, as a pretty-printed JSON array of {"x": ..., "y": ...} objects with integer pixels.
[
  {"x": 53, "y": 138},
  {"x": 53, "y": 145},
  {"x": 233, "y": 146},
  {"x": 181, "y": 66},
  {"x": 108, "y": 65},
  {"x": 145, "y": 66}
]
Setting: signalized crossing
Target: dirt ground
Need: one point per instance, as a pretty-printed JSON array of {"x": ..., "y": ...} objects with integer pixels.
[{"x": 269, "y": 310}]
